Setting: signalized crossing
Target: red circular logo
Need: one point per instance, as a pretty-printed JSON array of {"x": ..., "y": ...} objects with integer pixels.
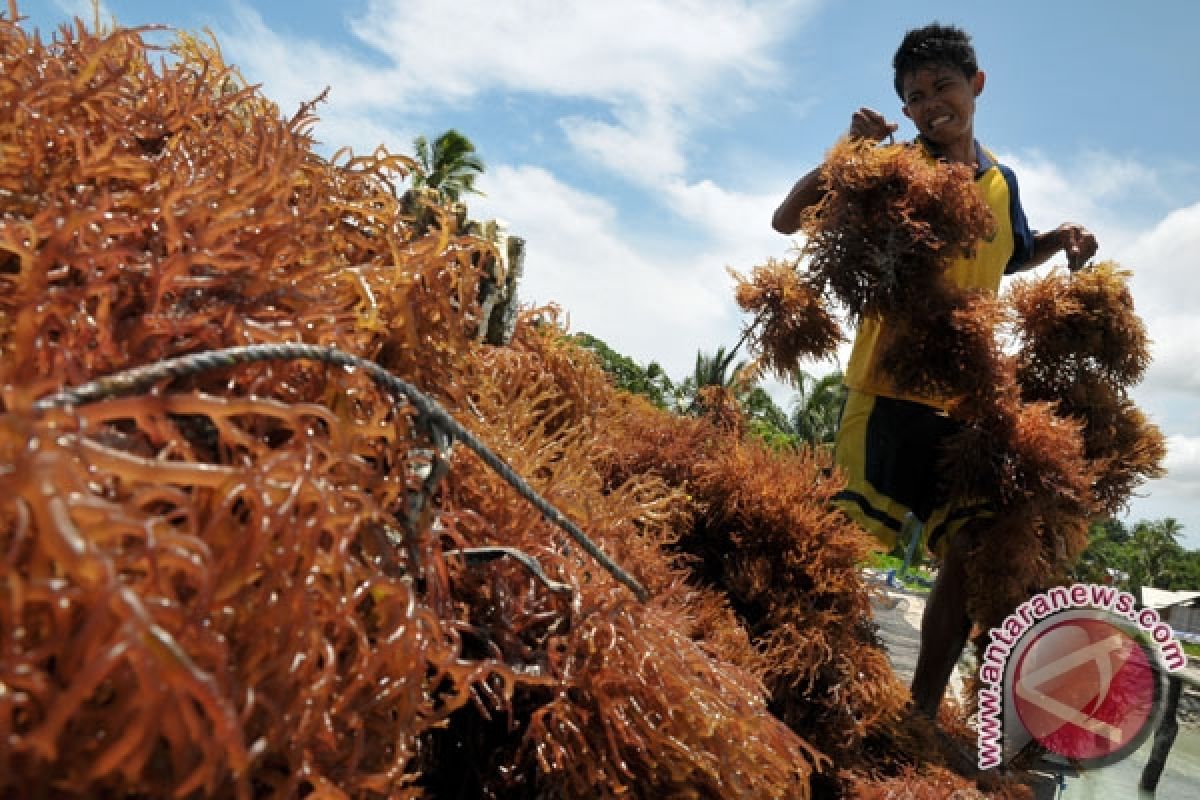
[{"x": 1086, "y": 688}]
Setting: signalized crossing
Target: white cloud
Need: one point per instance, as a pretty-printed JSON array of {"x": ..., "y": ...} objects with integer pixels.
[
  {"x": 294, "y": 70},
  {"x": 653, "y": 49},
  {"x": 738, "y": 219},
  {"x": 335, "y": 130},
  {"x": 1176, "y": 354},
  {"x": 644, "y": 147},
  {"x": 656, "y": 68},
  {"x": 1165, "y": 262},
  {"x": 577, "y": 257},
  {"x": 1178, "y": 494},
  {"x": 1107, "y": 177},
  {"x": 1090, "y": 194},
  {"x": 1183, "y": 463}
]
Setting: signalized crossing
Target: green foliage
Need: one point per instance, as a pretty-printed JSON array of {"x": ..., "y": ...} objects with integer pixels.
[
  {"x": 1149, "y": 554},
  {"x": 1155, "y": 555},
  {"x": 1105, "y": 551},
  {"x": 650, "y": 381},
  {"x": 817, "y": 408},
  {"x": 714, "y": 370},
  {"x": 764, "y": 418},
  {"x": 776, "y": 438},
  {"x": 886, "y": 561},
  {"x": 450, "y": 165},
  {"x": 759, "y": 407}
]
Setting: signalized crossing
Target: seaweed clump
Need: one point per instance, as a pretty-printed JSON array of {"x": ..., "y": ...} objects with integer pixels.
[
  {"x": 888, "y": 225},
  {"x": 1083, "y": 347},
  {"x": 792, "y": 319}
]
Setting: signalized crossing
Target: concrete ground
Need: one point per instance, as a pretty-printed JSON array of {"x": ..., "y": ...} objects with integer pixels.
[{"x": 898, "y": 617}]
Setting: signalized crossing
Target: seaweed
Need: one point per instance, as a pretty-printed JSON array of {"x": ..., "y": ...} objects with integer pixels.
[{"x": 889, "y": 223}]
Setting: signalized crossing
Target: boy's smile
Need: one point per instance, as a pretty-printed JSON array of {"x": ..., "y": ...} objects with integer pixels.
[{"x": 940, "y": 100}]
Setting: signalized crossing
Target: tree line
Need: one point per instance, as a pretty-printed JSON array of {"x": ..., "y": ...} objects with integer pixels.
[
  {"x": 811, "y": 419},
  {"x": 1147, "y": 554}
]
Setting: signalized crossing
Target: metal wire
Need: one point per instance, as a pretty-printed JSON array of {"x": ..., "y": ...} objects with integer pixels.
[
  {"x": 141, "y": 378},
  {"x": 480, "y": 555}
]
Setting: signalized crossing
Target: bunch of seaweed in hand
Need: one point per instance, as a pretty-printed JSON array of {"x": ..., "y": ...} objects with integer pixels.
[
  {"x": 1065, "y": 443},
  {"x": 889, "y": 223},
  {"x": 877, "y": 245},
  {"x": 1082, "y": 348},
  {"x": 792, "y": 320}
]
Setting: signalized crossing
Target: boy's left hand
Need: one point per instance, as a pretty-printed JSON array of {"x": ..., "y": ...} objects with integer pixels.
[{"x": 1078, "y": 243}]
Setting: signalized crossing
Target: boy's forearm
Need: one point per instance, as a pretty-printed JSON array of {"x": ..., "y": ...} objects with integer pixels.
[
  {"x": 1076, "y": 241},
  {"x": 805, "y": 194},
  {"x": 1045, "y": 245}
]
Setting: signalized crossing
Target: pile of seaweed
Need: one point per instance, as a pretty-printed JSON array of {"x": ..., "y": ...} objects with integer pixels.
[{"x": 257, "y": 581}]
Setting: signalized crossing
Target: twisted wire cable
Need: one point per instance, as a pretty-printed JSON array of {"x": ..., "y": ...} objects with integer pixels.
[{"x": 428, "y": 409}]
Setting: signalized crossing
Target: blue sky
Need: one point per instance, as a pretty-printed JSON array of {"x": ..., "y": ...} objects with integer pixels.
[{"x": 641, "y": 145}]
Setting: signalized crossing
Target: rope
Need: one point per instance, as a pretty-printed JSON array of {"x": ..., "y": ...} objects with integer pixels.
[
  {"x": 428, "y": 409},
  {"x": 479, "y": 555}
]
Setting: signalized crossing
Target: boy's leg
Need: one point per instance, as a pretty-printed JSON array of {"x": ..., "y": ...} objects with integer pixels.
[{"x": 944, "y": 628}]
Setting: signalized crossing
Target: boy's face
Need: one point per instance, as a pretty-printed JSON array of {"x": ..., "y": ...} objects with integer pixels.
[{"x": 940, "y": 100}]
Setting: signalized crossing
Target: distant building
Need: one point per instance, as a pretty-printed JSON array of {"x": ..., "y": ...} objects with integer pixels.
[{"x": 1180, "y": 610}]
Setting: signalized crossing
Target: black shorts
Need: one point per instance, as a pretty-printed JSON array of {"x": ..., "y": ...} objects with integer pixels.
[{"x": 890, "y": 451}]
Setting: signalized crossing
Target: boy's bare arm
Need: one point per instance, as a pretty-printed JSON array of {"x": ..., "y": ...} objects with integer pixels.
[
  {"x": 865, "y": 123},
  {"x": 806, "y": 193}
]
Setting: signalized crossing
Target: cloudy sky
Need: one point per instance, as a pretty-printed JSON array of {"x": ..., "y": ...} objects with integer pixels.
[{"x": 640, "y": 146}]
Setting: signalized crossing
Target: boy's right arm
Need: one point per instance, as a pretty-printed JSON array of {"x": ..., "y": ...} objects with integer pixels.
[{"x": 864, "y": 124}]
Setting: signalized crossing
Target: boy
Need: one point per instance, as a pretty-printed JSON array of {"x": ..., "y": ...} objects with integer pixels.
[{"x": 887, "y": 441}]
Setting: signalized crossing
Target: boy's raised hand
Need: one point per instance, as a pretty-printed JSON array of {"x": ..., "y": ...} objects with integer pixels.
[
  {"x": 1078, "y": 243},
  {"x": 867, "y": 123}
]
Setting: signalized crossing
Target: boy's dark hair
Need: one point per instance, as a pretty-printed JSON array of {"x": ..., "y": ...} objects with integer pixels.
[{"x": 932, "y": 45}]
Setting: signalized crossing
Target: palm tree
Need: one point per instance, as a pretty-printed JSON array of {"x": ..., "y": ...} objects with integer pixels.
[
  {"x": 1157, "y": 555},
  {"x": 714, "y": 370},
  {"x": 710, "y": 370},
  {"x": 817, "y": 407},
  {"x": 759, "y": 405},
  {"x": 450, "y": 166},
  {"x": 766, "y": 419},
  {"x": 1106, "y": 559}
]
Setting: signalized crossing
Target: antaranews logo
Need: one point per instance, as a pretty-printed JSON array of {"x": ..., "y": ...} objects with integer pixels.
[{"x": 1079, "y": 670}]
